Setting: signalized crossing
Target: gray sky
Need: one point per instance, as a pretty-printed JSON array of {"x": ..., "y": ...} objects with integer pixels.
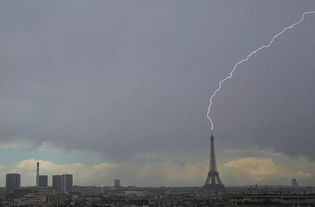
[{"x": 128, "y": 79}]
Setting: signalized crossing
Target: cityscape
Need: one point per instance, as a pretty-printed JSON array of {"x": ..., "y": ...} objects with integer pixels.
[
  {"x": 62, "y": 192},
  {"x": 157, "y": 103}
]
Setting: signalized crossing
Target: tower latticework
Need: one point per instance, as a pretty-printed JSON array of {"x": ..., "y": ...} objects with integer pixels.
[{"x": 213, "y": 182}]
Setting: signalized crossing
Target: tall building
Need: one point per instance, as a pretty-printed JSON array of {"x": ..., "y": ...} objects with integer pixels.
[
  {"x": 43, "y": 181},
  {"x": 213, "y": 181},
  {"x": 13, "y": 181},
  {"x": 117, "y": 183},
  {"x": 56, "y": 182},
  {"x": 66, "y": 183},
  {"x": 62, "y": 183},
  {"x": 294, "y": 183}
]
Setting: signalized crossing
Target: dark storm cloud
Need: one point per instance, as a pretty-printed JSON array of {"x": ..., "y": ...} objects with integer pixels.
[{"x": 124, "y": 78}]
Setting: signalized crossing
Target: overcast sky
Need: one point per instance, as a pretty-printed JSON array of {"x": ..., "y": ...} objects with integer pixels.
[{"x": 123, "y": 87}]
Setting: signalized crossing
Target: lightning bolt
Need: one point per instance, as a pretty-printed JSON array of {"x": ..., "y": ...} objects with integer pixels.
[{"x": 230, "y": 75}]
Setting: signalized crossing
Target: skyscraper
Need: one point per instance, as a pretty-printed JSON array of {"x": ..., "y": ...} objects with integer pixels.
[
  {"x": 213, "y": 181},
  {"x": 56, "y": 182},
  {"x": 294, "y": 183},
  {"x": 13, "y": 181},
  {"x": 117, "y": 183},
  {"x": 66, "y": 183},
  {"x": 62, "y": 183},
  {"x": 43, "y": 181}
]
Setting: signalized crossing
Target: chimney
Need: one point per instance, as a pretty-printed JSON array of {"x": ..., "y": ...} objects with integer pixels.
[{"x": 37, "y": 175}]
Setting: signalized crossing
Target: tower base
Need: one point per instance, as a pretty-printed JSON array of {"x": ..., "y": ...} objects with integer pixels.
[{"x": 214, "y": 188}]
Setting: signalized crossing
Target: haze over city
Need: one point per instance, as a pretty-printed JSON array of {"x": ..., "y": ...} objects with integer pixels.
[{"x": 120, "y": 89}]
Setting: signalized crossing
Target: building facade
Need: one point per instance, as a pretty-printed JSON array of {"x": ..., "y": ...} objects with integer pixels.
[
  {"x": 62, "y": 183},
  {"x": 117, "y": 183},
  {"x": 43, "y": 181},
  {"x": 13, "y": 181},
  {"x": 56, "y": 182},
  {"x": 66, "y": 183}
]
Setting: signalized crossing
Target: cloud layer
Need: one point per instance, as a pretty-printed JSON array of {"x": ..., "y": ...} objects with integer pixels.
[{"x": 128, "y": 79}]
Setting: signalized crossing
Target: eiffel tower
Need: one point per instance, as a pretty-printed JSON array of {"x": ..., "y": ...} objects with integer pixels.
[{"x": 213, "y": 182}]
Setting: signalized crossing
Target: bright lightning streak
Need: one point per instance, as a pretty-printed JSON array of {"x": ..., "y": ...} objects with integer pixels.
[{"x": 230, "y": 75}]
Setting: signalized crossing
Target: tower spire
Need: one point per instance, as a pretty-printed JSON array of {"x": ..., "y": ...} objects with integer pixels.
[{"x": 213, "y": 181}]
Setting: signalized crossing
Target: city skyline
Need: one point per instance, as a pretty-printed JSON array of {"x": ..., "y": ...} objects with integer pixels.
[{"x": 119, "y": 90}]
